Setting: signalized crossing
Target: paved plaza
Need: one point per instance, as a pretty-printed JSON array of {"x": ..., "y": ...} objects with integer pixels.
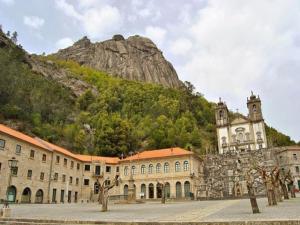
[{"x": 189, "y": 211}]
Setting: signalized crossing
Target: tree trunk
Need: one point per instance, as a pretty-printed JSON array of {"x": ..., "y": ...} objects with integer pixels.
[
  {"x": 163, "y": 196},
  {"x": 104, "y": 201},
  {"x": 284, "y": 190},
  {"x": 293, "y": 195},
  {"x": 277, "y": 194},
  {"x": 253, "y": 201}
]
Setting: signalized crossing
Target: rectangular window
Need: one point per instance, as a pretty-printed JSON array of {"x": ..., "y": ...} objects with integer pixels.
[
  {"x": 0, "y": 166},
  {"x": 14, "y": 171},
  {"x": 44, "y": 158},
  {"x": 57, "y": 159},
  {"x": 56, "y": 176},
  {"x": 77, "y": 181},
  {"x": 63, "y": 178},
  {"x": 295, "y": 156},
  {"x": 42, "y": 176},
  {"x": 78, "y": 166},
  {"x": 18, "y": 149},
  {"x": 118, "y": 169},
  {"x": 108, "y": 169},
  {"x": 65, "y": 162},
  {"x": 29, "y": 174},
  {"x": 97, "y": 170},
  {"x": 71, "y": 180},
  {"x": 107, "y": 182},
  {"x": 86, "y": 182},
  {"x": 87, "y": 167},
  {"x": 72, "y": 164},
  {"x": 297, "y": 169},
  {"x": 31, "y": 154},
  {"x": 2, "y": 143}
]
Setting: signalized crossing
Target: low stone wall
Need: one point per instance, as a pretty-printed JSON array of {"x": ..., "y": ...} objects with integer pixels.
[{"x": 54, "y": 222}]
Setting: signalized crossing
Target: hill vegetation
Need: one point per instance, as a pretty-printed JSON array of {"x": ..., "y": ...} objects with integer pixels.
[{"x": 124, "y": 116}]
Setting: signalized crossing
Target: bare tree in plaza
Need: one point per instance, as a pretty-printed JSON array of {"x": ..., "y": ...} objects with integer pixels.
[
  {"x": 251, "y": 192},
  {"x": 161, "y": 186},
  {"x": 103, "y": 192},
  {"x": 268, "y": 181},
  {"x": 276, "y": 182},
  {"x": 282, "y": 180},
  {"x": 291, "y": 184}
]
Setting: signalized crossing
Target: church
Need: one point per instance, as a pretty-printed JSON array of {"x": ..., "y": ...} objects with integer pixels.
[{"x": 241, "y": 133}]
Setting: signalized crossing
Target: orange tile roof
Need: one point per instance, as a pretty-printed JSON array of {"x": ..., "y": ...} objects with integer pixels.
[
  {"x": 52, "y": 147},
  {"x": 21, "y": 136},
  {"x": 56, "y": 148},
  {"x": 89, "y": 158},
  {"x": 168, "y": 152}
]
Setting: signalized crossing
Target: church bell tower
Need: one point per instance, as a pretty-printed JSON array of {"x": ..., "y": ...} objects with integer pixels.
[
  {"x": 254, "y": 108},
  {"x": 221, "y": 114}
]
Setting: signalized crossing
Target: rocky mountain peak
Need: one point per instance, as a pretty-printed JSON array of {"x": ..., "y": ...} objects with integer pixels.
[{"x": 135, "y": 58}]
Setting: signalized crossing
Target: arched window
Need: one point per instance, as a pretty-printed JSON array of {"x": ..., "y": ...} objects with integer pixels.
[
  {"x": 150, "y": 169},
  {"x": 126, "y": 171},
  {"x": 185, "y": 165},
  {"x": 177, "y": 166},
  {"x": 254, "y": 108},
  {"x": 241, "y": 137},
  {"x": 166, "y": 167},
  {"x": 133, "y": 170},
  {"x": 221, "y": 114},
  {"x": 143, "y": 169},
  {"x": 258, "y": 134},
  {"x": 158, "y": 168},
  {"x": 223, "y": 140}
]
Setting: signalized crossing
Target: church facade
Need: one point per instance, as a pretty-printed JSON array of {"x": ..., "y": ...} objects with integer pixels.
[{"x": 242, "y": 133}]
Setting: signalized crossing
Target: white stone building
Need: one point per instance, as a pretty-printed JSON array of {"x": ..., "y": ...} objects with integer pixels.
[{"x": 242, "y": 133}]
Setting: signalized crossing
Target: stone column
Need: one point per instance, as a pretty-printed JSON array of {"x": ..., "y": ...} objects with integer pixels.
[{"x": 131, "y": 192}]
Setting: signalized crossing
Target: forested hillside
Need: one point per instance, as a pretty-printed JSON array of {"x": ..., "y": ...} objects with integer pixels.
[{"x": 121, "y": 116}]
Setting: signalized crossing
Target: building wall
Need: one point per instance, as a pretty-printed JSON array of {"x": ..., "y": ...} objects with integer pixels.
[
  {"x": 288, "y": 158},
  {"x": 65, "y": 179},
  {"x": 64, "y": 186},
  {"x": 190, "y": 174},
  {"x": 21, "y": 181}
]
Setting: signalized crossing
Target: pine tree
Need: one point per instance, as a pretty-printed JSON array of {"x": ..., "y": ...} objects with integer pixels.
[{"x": 14, "y": 37}]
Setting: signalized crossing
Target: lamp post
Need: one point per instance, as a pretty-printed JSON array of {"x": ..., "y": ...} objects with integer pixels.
[
  {"x": 131, "y": 189},
  {"x": 12, "y": 163}
]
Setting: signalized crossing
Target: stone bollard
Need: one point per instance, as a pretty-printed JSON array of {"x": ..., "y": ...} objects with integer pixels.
[{"x": 5, "y": 212}]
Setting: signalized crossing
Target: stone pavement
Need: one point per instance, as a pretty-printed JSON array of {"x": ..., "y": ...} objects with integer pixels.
[{"x": 190, "y": 211}]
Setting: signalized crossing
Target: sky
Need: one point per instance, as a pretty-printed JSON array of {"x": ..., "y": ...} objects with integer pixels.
[{"x": 225, "y": 48}]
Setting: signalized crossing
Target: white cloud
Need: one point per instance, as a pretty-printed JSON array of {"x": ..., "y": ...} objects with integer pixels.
[
  {"x": 144, "y": 12},
  {"x": 8, "y": 2},
  {"x": 33, "y": 21},
  {"x": 180, "y": 46},
  {"x": 238, "y": 46},
  {"x": 101, "y": 20},
  {"x": 64, "y": 42},
  {"x": 68, "y": 9},
  {"x": 96, "y": 19},
  {"x": 156, "y": 34}
]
